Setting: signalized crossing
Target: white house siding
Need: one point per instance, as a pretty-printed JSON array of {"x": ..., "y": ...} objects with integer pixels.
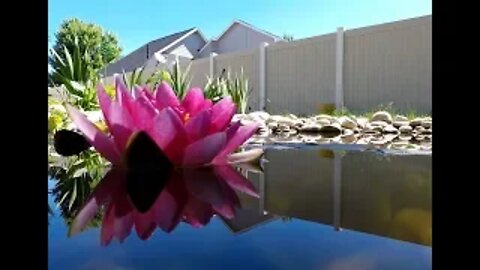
[
  {"x": 209, "y": 48},
  {"x": 188, "y": 47},
  {"x": 128, "y": 63},
  {"x": 239, "y": 38}
]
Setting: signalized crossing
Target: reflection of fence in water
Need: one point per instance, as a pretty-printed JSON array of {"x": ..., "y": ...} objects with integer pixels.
[{"x": 358, "y": 191}]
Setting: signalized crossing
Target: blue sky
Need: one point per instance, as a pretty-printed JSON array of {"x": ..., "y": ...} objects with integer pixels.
[{"x": 137, "y": 22}]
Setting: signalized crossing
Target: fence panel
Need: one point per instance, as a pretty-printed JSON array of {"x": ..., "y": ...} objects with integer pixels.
[
  {"x": 300, "y": 75},
  {"x": 389, "y": 63}
]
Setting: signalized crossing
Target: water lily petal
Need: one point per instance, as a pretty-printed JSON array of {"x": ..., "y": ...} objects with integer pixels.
[
  {"x": 207, "y": 104},
  {"x": 203, "y": 184},
  {"x": 144, "y": 224},
  {"x": 100, "y": 195},
  {"x": 122, "y": 125},
  {"x": 243, "y": 133},
  {"x": 197, "y": 212},
  {"x": 222, "y": 113},
  {"x": 252, "y": 155},
  {"x": 104, "y": 102},
  {"x": 231, "y": 201},
  {"x": 236, "y": 180},
  {"x": 123, "y": 221},
  {"x": 104, "y": 145},
  {"x": 170, "y": 205},
  {"x": 168, "y": 132},
  {"x": 232, "y": 130},
  {"x": 122, "y": 226},
  {"x": 198, "y": 126},
  {"x": 106, "y": 232},
  {"x": 193, "y": 101},
  {"x": 165, "y": 97},
  {"x": 123, "y": 94},
  {"x": 143, "y": 113},
  {"x": 137, "y": 92},
  {"x": 204, "y": 150},
  {"x": 148, "y": 94}
]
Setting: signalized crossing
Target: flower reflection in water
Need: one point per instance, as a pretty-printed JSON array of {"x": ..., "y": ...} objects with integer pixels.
[{"x": 147, "y": 200}]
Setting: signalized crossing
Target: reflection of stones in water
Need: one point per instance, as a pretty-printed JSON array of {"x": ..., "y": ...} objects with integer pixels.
[
  {"x": 405, "y": 129},
  {"x": 397, "y": 140},
  {"x": 399, "y": 144},
  {"x": 419, "y": 138},
  {"x": 405, "y": 137},
  {"x": 380, "y": 140},
  {"x": 364, "y": 140},
  {"x": 413, "y": 224},
  {"x": 427, "y": 132},
  {"x": 419, "y": 129}
]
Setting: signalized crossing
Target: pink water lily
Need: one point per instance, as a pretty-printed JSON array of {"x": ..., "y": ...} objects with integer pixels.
[{"x": 191, "y": 132}]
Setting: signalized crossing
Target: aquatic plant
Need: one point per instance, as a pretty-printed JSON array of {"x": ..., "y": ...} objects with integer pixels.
[{"x": 191, "y": 132}]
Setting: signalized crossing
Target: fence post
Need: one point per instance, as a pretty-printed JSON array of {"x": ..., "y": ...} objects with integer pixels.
[
  {"x": 339, "y": 101},
  {"x": 337, "y": 192},
  {"x": 212, "y": 67},
  {"x": 261, "y": 205},
  {"x": 261, "y": 76}
]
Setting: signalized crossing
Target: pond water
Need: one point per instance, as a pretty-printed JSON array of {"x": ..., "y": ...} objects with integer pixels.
[{"x": 317, "y": 209}]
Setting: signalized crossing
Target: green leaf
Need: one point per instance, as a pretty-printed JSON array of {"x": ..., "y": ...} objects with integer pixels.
[
  {"x": 69, "y": 63},
  {"x": 74, "y": 195},
  {"x": 63, "y": 198},
  {"x": 79, "y": 172}
]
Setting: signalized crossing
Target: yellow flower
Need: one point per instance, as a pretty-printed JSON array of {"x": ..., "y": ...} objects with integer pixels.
[{"x": 55, "y": 121}]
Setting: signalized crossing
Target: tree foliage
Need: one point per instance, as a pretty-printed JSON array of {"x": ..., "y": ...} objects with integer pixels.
[{"x": 102, "y": 46}]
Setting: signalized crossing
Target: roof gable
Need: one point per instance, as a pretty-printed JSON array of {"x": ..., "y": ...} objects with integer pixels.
[
  {"x": 249, "y": 26},
  {"x": 162, "y": 44},
  {"x": 164, "y": 41}
]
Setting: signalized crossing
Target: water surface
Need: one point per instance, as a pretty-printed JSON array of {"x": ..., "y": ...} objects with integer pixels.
[{"x": 318, "y": 209}]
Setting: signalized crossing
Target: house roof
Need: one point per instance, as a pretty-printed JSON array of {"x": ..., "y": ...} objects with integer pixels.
[
  {"x": 277, "y": 38},
  {"x": 248, "y": 26},
  {"x": 164, "y": 41}
]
